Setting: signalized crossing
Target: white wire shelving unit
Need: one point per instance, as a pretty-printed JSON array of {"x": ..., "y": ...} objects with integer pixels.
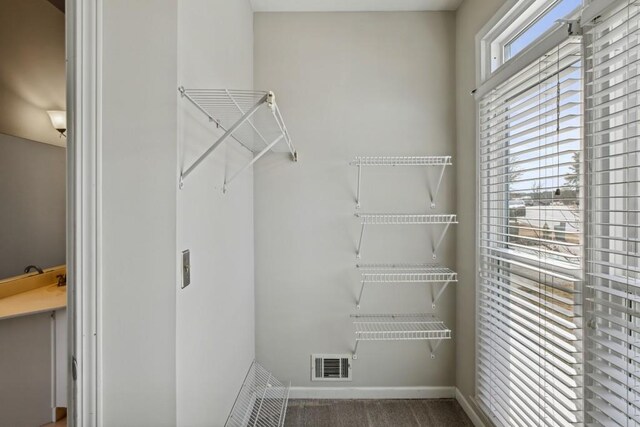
[
  {"x": 393, "y": 274},
  {"x": 438, "y": 161},
  {"x": 400, "y": 327},
  {"x": 250, "y": 117},
  {"x": 261, "y": 402},
  {"x": 406, "y": 219}
]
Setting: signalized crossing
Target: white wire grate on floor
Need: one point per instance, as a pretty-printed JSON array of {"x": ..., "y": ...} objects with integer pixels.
[
  {"x": 399, "y": 327},
  {"x": 400, "y": 219},
  {"x": 402, "y": 161},
  {"x": 261, "y": 402}
]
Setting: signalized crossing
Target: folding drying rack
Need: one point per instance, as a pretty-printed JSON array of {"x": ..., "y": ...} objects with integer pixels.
[
  {"x": 250, "y": 117},
  {"x": 393, "y": 274},
  {"x": 262, "y": 400},
  {"x": 400, "y": 327}
]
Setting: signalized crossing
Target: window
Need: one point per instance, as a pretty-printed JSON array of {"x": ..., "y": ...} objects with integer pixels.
[
  {"x": 520, "y": 25},
  {"x": 539, "y": 27},
  {"x": 613, "y": 176},
  {"x": 530, "y": 237}
]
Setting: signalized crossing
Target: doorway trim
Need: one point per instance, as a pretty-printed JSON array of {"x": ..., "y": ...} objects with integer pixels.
[{"x": 84, "y": 83}]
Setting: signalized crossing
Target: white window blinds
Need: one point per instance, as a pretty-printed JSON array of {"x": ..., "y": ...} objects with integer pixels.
[
  {"x": 613, "y": 164},
  {"x": 530, "y": 237}
]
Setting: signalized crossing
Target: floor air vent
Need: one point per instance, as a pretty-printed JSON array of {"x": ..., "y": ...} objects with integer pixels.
[{"x": 330, "y": 367}]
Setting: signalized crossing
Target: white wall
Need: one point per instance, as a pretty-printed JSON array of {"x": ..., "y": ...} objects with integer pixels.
[
  {"x": 32, "y": 212},
  {"x": 32, "y": 72},
  {"x": 215, "y": 314},
  {"x": 470, "y": 18},
  {"x": 138, "y": 212},
  {"x": 350, "y": 84}
]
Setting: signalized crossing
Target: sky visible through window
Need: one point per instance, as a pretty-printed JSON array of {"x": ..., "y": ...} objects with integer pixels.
[{"x": 539, "y": 27}]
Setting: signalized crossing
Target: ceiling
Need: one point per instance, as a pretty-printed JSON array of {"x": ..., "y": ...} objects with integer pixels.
[{"x": 352, "y": 5}]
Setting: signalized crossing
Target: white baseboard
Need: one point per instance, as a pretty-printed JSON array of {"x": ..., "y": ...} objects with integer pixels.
[
  {"x": 372, "y": 392},
  {"x": 468, "y": 409}
]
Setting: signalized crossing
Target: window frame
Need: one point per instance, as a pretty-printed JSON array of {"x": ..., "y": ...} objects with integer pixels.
[{"x": 511, "y": 20}]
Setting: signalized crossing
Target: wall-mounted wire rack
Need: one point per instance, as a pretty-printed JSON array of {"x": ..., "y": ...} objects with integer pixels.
[
  {"x": 438, "y": 161},
  {"x": 262, "y": 400},
  {"x": 438, "y": 277},
  {"x": 250, "y": 117},
  {"x": 400, "y": 327},
  {"x": 406, "y": 219}
]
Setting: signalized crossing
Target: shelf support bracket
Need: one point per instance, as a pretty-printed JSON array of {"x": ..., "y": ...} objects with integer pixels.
[
  {"x": 434, "y": 347},
  {"x": 437, "y": 245},
  {"x": 360, "y": 296},
  {"x": 436, "y": 297},
  {"x": 360, "y": 241},
  {"x": 358, "y": 190},
  {"x": 434, "y": 195},
  {"x": 255, "y": 159},
  {"x": 355, "y": 350},
  {"x": 226, "y": 135}
]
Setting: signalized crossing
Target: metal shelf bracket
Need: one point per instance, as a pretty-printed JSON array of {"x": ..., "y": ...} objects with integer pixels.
[
  {"x": 433, "y": 347},
  {"x": 436, "y": 297},
  {"x": 439, "y": 242}
]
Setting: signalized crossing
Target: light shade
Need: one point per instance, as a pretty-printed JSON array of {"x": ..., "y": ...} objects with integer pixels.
[{"x": 58, "y": 120}]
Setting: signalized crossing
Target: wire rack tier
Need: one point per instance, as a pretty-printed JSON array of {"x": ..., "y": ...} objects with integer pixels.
[
  {"x": 402, "y": 161},
  {"x": 400, "y": 327},
  {"x": 438, "y": 277},
  {"x": 250, "y": 117},
  {"x": 405, "y": 219},
  {"x": 441, "y": 161},
  {"x": 261, "y": 402}
]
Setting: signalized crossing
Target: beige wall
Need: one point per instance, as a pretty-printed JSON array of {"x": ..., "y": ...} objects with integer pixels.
[
  {"x": 32, "y": 69},
  {"x": 471, "y": 16},
  {"x": 138, "y": 212},
  {"x": 215, "y": 314},
  {"x": 350, "y": 84},
  {"x": 32, "y": 212}
]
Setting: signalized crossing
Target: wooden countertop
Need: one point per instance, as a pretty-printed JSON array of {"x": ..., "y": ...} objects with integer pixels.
[{"x": 31, "y": 294}]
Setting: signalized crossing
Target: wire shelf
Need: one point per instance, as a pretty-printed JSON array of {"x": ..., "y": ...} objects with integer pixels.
[
  {"x": 250, "y": 117},
  {"x": 441, "y": 161},
  {"x": 402, "y": 161},
  {"x": 401, "y": 219},
  {"x": 399, "y": 327},
  {"x": 406, "y": 273},
  {"x": 261, "y": 402},
  {"x": 438, "y": 277}
]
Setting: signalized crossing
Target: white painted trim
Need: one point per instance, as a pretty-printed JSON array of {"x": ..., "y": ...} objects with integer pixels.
[
  {"x": 468, "y": 409},
  {"x": 372, "y": 392},
  {"x": 84, "y": 56}
]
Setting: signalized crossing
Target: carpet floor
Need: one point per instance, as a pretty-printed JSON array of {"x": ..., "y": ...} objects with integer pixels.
[{"x": 376, "y": 413}]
